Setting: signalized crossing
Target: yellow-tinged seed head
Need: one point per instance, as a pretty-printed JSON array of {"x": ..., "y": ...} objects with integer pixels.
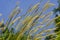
[{"x": 47, "y": 5}]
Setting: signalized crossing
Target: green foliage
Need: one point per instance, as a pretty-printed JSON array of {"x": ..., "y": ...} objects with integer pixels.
[
  {"x": 58, "y": 37},
  {"x": 58, "y": 28}
]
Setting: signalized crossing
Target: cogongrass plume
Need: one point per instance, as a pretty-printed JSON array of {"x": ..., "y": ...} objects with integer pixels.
[{"x": 27, "y": 26}]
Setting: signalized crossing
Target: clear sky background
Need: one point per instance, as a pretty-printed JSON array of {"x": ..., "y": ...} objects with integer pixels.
[{"x": 6, "y": 6}]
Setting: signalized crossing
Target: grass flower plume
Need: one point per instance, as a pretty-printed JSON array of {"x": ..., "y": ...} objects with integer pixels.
[{"x": 28, "y": 26}]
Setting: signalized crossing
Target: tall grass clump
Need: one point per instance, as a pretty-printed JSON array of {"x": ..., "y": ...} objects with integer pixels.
[{"x": 28, "y": 26}]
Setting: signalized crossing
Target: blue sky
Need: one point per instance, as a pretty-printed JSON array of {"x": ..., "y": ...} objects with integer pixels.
[{"x": 6, "y": 6}]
